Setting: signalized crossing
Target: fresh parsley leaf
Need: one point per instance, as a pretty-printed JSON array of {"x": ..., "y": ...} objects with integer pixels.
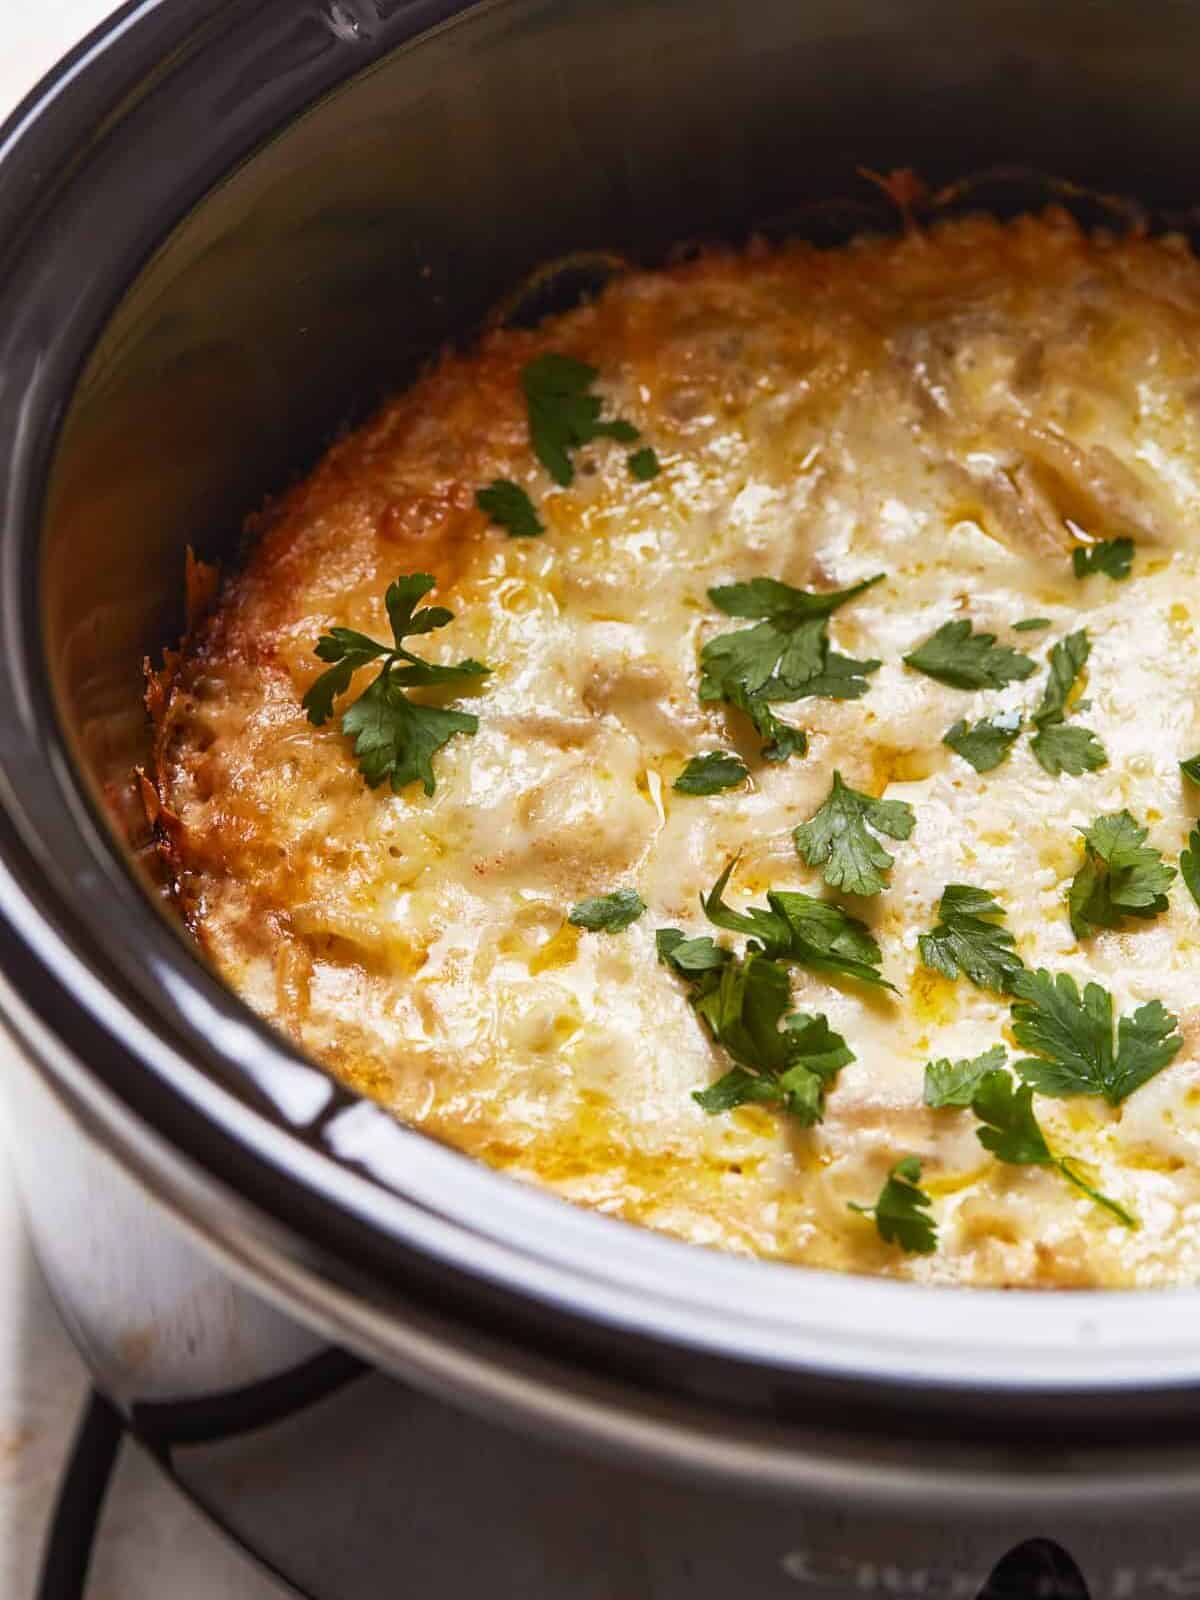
[
  {"x": 1121, "y": 876},
  {"x": 1058, "y": 748},
  {"x": 564, "y": 413},
  {"x": 509, "y": 507},
  {"x": 788, "y": 1067},
  {"x": 954, "y": 1083},
  {"x": 785, "y": 1061},
  {"x": 397, "y": 740},
  {"x": 689, "y": 958},
  {"x": 902, "y": 1210},
  {"x": 802, "y": 929},
  {"x": 985, "y": 743},
  {"x": 735, "y": 1088},
  {"x": 785, "y": 656},
  {"x": 782, "y": 605},
  {"x": 1113, "y": 557},
  {"x": 838, "y": 838},
  {"x": 1012, "y": 1134},
  {"x": 1189, "y": 865},
  {"x": 1191, "y": 769},
  {"x": 781, "y": 739},
  {"x": 1071, "y": 1038},
  {"x": 608, "y": 913},
  {"x": 1067, "y": 660},
  {"x": 394, "y": 737},
  {"x": 968, "y": 939},
  {"x": 1032, "y": 625},
  {"x": 957, "y": 656},
  {"x": 1061, "y": 748},
  {"x": 643, "y": 464},
  {"x": 710, "y": 773}
]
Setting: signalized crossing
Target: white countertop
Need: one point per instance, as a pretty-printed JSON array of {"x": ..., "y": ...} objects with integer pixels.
[{"x": 152, "y": 1545}]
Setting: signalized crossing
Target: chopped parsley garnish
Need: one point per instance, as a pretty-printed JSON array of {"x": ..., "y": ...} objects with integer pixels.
[
  {"x": 710, "y": 773},
  {"x": 985, "y": 743},
  {"x": 784, "y": 1061},
  {"x": 1032, "y": 625},
  {"x": 789, "y": 1068},
  {"x": 643, "y": 464},
  {"x": 785, "y": 656},
  {"x": 1121, "y": 876},
  {"x": 1073, "y": 750},
  {"x": 689, "y": 958},
  {"x": 954, "y": 1083},
  {"x": 839, "y": 839},
  {"x": 968, "y": 938},
  {"x": 509, "y": 507},
  {"x": 395, "y": 738},
  {"x": 957, "y": 656},
  {"x": 1058, "y": 747},
  {"x": 608, "y": 913},
  {"x": 1071, "y": 1038},
  {"x": 781, "y": 739},
  {"x": 902, "y": 1210},
  {"x": 802, "y": 929},
  {"x": 564, "y": 413},
  {"x": 1191, "y": 769},
  {"x": 1189, "y": 865},
  {"x": 1012, "y": 1134},
  {"x": 1113, "y": 557}
]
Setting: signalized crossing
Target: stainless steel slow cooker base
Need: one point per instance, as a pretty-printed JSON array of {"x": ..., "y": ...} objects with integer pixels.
[{"x": 224, "y": 229}]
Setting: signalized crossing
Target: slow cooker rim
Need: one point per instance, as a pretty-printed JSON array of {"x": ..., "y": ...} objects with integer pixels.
[{"x": 1069, "y": 1342}]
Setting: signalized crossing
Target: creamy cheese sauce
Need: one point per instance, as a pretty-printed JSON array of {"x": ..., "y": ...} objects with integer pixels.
[{"x": 955, "y": 409}]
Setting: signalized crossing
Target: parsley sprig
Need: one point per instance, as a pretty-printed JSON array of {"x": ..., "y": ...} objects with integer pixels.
[
  {"x": 509, "y": 507},
  {"x": 1189, "y": 865},
  {"x": 1058, "y": 747},
  {"x": 711, "y": 773},
  {"x": 901, "y": 1212},
  {"x": 783, "y": 1060},
  {"x": 742, "y": 1000},
  {"x": 984, "y": 743},
  {"x": 608, "y": 913},
  {"x": 787, "y": 1067},
  {"x": 841, "y": 838},
  {"x": 1012, "y": 1134},
  {"x": 1071, "y": 1038},
  {"x": 564, "y": 413},
  {"x": 1120, "y": 876},
  {"x": 787, "y": 655},
  {"x": 1113, "y": 557},
  {"x": 395, "y": 738},
  {"x": 799, "y": 928},
  {"x": 1010, "y": 1131},
  {"x": 955, "y": 1083},
  {"x": 643, "y": 464},
  {"x": 969, "y": 938},
  {"x": 957, "y": 656}
]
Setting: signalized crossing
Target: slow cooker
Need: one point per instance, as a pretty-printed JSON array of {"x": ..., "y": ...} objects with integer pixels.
[{"x": 225, "y": 229}]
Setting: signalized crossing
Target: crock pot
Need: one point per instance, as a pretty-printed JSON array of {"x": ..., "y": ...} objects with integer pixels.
[{"x": 225, "y": 228}]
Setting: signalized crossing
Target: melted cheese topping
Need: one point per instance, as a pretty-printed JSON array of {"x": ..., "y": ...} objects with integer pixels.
[{"x": 953, "y": 409}]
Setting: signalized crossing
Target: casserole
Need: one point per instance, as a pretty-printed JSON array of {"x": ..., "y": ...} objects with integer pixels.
[
  {"x": 244, "y": 236},
  {"x": 473, "y": 872}
]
